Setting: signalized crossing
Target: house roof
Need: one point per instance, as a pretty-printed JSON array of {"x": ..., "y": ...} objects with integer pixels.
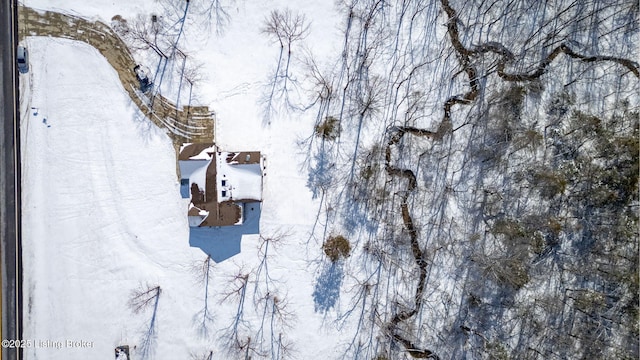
[
  {"x": 219, "y": 182},
  {"x": 239, "y": 176},
  {"x": 196, "y": 215},
  {"x": 243, "y": 157},
  {"x": 197, "y": 151}
]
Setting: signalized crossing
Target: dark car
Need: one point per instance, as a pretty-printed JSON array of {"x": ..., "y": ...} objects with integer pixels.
[
  {"x": 22, "y": 57},
  {"x": 143, "y": 77}
]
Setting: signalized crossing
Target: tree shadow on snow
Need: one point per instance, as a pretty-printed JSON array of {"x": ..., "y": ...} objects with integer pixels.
[{"x": 327, "y": 289}]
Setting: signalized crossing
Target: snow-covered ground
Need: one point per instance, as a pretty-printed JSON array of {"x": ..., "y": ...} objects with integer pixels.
[
  {"x": 103, "y": 214},
  {"x": 101, "y": 208}
]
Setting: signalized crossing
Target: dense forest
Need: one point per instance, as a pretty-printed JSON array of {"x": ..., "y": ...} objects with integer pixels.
[{"x": 481, "y": 158}]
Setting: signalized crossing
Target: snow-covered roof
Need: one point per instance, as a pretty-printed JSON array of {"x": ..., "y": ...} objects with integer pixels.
[
  {"x": 199, "y": 176},
  {"x": 187, "y": 167},
  {"x": 196, "y": 215},
  {"x": 238, "y": 180},
  {"x": 197, "y": 151},
  {"x": 223, "y": 180}
]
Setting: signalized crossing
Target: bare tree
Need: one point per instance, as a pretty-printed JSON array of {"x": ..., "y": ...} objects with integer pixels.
[
  {"x": 142, "y": 33},
  {"x": 275, "y": 314},
  {"x": 276, "y": 320},
  {"x": 264, "y": 282},
  {"x": 142, "y": 298},
  {"x": 285, "y": 28},
  {"x": 163, "y": 34},
  {"x": 204, "y": 317},
  {"x": 207, "y": 355},
  {"x": 216, "y": 12},
  {"x": 234, "y": 336},
  {"x": 481, "y": 177}
]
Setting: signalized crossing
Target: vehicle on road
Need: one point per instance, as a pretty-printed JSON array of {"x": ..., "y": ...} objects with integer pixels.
[{"x": 22, "y": 58}]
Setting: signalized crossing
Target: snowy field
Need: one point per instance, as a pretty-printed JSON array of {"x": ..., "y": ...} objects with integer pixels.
[
  {"x": 447, "y": 171},
  {"x": 101, "y": 208},
  {"x": 103, "y": 214}
]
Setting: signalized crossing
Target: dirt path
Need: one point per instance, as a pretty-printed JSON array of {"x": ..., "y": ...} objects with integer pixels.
[{"x": 189, "y": 124}]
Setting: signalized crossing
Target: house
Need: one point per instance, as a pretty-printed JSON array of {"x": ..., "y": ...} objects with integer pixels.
[{"x": 222, "y": 186}]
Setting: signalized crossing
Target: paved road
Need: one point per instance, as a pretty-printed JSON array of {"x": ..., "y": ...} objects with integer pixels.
[{"x": 10, "y": 227}]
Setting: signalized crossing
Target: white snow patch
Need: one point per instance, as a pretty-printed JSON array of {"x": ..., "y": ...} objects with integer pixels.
[
  {"x": 112, "y": 217},
  {"x": 101, "y": 211},
  {"x": 242, "y": 181}
]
